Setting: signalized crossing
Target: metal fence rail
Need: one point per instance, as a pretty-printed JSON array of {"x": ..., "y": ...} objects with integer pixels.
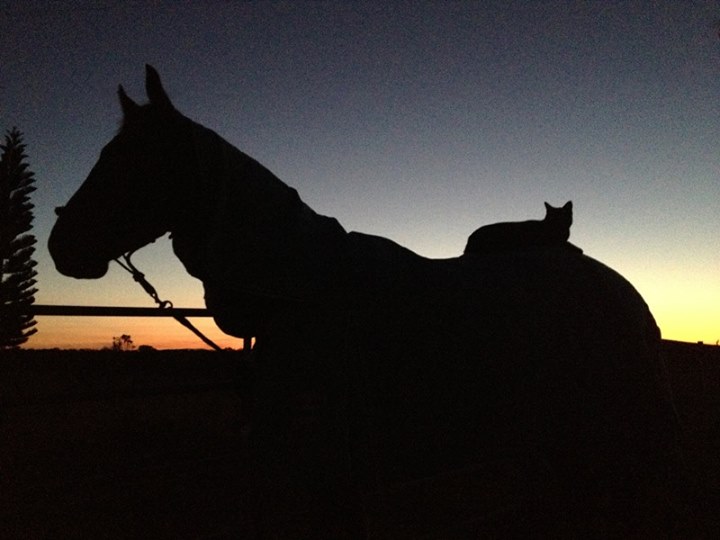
[{"x": 115, "y": 311}]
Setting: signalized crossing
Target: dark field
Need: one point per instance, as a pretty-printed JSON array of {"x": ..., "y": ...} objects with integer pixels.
[
  {"x": 154, "y": 445},
  {"x": 122, "y": 445}
]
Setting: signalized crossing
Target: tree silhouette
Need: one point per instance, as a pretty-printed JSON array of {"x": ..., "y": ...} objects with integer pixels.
[
  {"x": 17, "y": 267},
  {"x": 122, "y": 343}
]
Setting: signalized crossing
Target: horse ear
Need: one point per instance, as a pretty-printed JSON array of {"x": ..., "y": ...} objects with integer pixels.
[
  {"x": 155, "y": 91},
  {"x": 128, "y": 105}
]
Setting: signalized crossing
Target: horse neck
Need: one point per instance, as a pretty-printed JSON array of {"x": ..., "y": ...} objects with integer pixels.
[{"x": 241, "y": 214}]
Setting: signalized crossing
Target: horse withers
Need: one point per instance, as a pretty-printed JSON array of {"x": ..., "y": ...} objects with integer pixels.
[{"x": 535, "y": 366}]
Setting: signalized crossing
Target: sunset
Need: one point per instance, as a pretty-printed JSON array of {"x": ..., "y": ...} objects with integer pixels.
[
  {"x": 417, "y": 122},
  {"x": 474, "y": 243}
]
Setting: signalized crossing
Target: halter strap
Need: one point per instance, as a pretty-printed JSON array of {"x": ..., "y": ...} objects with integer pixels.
[{"x": 127, "y": 265}]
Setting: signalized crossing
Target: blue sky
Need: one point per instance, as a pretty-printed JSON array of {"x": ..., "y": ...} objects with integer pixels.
[{"x": 419, "y": 121}]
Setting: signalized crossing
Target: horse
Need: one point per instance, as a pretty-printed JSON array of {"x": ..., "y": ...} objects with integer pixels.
[{"x": 522, "y": 388}]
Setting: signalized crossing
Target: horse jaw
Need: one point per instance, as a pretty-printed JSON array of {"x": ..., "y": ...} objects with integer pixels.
[
  {"x": 82, "y": 270},
  {"x": 70, "y": 257}
]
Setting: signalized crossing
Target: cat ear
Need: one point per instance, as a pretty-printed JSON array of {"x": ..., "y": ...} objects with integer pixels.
[
  {"x": 547, "y": 207},
  {"x": 568, "y": 206}
]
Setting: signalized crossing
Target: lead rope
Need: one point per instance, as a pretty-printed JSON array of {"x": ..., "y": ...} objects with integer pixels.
[{"x": 127, "y": 265}]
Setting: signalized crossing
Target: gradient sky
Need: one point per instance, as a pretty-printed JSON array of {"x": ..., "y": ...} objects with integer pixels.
[{"x": 418, "y": 121}]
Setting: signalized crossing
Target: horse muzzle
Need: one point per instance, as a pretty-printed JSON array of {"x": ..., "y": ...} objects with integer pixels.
[{"x": 73, "y": 258}]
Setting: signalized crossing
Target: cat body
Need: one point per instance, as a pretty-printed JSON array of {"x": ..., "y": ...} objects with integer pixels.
[{"x": 554, "y": 230}]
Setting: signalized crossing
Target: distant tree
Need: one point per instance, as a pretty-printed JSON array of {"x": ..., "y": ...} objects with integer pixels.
[
  {"x": 17, "y": 267},
  {"x": 122, "y": 343}
]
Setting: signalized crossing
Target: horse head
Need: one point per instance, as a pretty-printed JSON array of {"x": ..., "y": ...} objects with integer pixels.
[
  {"x": 163, "y": 172},
  {"x": 131, "y": 196}
]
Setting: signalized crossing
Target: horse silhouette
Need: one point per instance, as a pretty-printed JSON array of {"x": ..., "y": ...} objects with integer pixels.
[{"x": 376, "y": 366}]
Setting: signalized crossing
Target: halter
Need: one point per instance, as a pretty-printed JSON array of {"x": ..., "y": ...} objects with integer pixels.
[{"x": 127, "y": 265}]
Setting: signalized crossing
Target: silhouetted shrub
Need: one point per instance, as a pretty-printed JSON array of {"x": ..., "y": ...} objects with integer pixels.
[{"x": 17, "y": 273}]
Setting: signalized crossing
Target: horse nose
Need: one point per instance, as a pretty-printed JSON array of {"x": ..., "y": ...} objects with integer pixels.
[{"x": 58, "y": 210}]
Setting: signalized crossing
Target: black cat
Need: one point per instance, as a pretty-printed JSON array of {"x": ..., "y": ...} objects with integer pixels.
[{"x": 553, "y": 230}]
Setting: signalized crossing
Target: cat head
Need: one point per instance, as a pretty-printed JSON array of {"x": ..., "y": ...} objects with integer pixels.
[{"x": 559, "y": 219}]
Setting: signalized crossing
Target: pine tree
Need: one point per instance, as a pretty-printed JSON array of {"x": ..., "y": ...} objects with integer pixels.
[{"x": 17, "y": 267}]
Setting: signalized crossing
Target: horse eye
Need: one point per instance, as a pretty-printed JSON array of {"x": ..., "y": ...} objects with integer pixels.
[{"x": 58, "y": 210}]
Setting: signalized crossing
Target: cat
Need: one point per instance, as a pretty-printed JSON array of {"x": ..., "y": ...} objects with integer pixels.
[{"x": 552, "y": 231}]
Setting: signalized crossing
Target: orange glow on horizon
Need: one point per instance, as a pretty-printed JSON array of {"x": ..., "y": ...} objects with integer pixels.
[{"x": 98, "y": 333}]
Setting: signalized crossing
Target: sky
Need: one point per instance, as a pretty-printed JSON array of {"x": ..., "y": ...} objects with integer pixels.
[{"x": 418, "y": 121}]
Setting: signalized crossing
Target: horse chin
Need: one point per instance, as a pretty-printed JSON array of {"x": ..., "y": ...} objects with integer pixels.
[{"x": 82, "y": 270}]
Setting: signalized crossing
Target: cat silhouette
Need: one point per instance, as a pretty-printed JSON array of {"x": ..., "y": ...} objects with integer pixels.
[{"x": 551, "y": 231}]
